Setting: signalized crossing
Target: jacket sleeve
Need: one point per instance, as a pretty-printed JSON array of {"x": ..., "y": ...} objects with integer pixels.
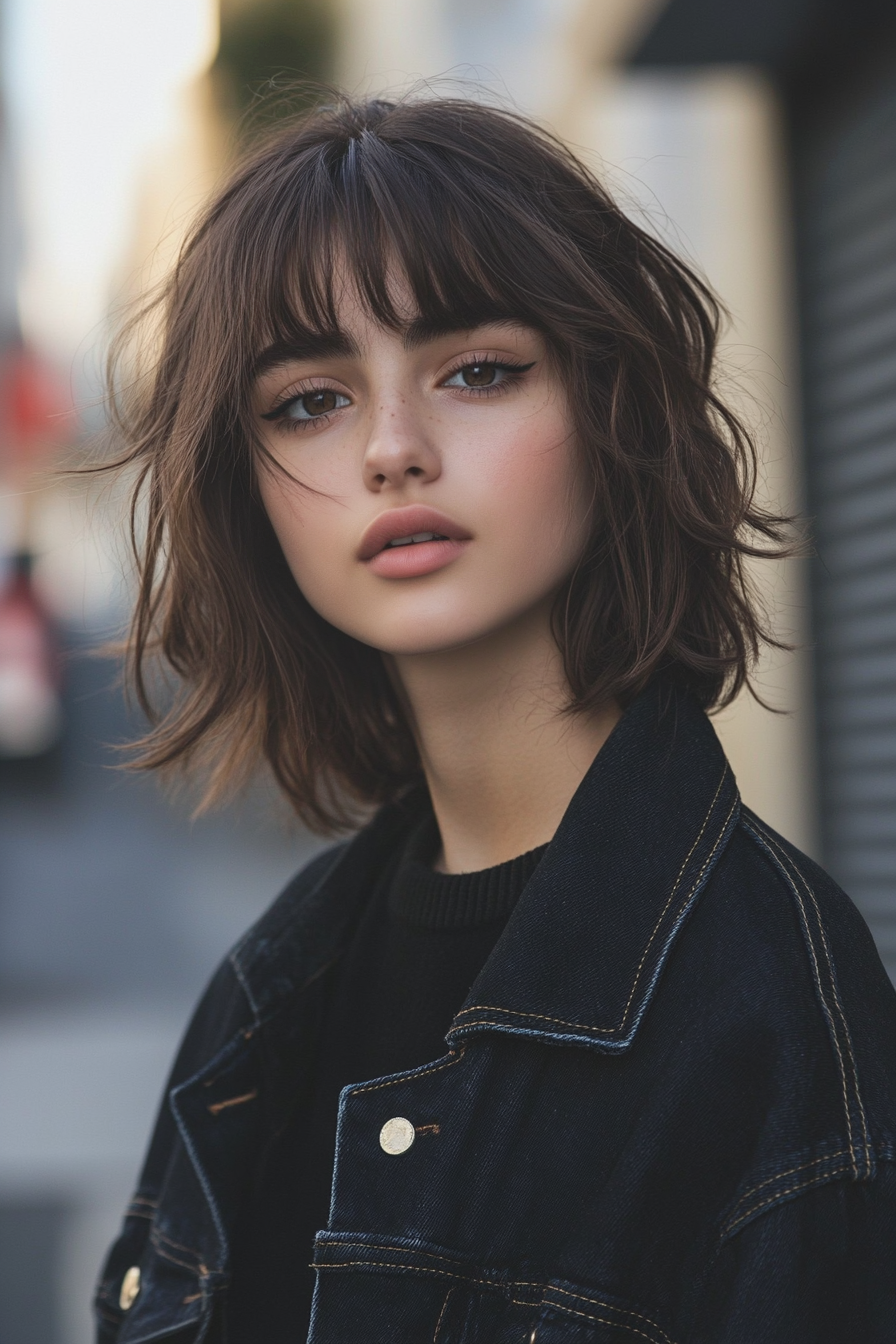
[
  {"x": 817, "y": 1269},
  {"x": 223, "y": 1012}
]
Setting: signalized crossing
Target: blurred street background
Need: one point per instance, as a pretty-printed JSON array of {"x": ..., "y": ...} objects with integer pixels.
[{"x": 757, "y": 136}]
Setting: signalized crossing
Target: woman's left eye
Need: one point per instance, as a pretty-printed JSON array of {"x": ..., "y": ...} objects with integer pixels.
[{"x": 484, "y": 373}]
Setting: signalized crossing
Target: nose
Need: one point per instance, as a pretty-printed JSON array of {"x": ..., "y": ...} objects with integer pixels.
[{"x": 399, "y": 450}]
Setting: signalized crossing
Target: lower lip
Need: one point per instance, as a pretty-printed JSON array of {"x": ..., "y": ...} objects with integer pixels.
[{"x": 411, "y": 562}]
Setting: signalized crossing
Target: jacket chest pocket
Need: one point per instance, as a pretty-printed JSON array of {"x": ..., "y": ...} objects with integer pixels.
[{"x": 397, "y": 1291}]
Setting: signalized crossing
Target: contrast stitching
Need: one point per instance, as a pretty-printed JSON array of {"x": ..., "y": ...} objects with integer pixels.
[
  {"x": 188, "y": 1250},
  {"x": 811, "y": 894},
  {"x": 435, "y": 1338},
  {"x": 497, "y": 1284},
  {"x": 218, "y": 1106},
  {"x": 681, "y": 872},
  {"x": 827, "y": 952},
  {"x": 140, "y": 1213},
  {"x": 391, "y": 1264},
  {"x": 524, "y": 1302},
  {"x": 141, "y": 1199},
  {"x": 405, "y": 1077},
  {"x": 244, "y": 984},
  {"x": 602, "y": 1320},
  {"x": 609, "y": 1306},
  {"x": 175, "y": 1260},
  {"x": 791, "y": 1171},
  {"x": 827, "y": 1011},
  {"x": 767, "y": 845},
  {"x": 398, "y": 1250},
  {"x": 613, "y": 1031},
  {"x": 818, "y": 1179}
]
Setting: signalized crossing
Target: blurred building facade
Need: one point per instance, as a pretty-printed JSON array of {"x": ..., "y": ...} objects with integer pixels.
[
  {"x": 757, "y": 138},
  {"x": 831, "y": 70}
]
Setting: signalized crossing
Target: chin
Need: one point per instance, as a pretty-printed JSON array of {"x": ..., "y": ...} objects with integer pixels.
[
  {"x": 433, "y": 633},
  {"x": 411, "y": 643}
]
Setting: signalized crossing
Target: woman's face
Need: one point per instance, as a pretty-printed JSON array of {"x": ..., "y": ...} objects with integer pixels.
[{"x": 432, "y": 495}]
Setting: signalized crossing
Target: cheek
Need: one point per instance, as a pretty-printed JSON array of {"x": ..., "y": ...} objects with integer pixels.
[
  {"x": 308, "y": 527},
  {"x": 537, "y": 484}
]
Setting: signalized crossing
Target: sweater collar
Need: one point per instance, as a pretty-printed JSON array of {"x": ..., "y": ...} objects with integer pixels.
[{"x": 583, "y": 950}]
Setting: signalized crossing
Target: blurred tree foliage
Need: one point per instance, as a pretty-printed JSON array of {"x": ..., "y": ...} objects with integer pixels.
[{"x": 268, "y": 50}]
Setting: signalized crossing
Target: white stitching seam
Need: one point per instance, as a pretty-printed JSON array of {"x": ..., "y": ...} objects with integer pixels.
[
  {"x": 778, "y": 858},
  {"x": 517, "y": 1283},
  {"x": 408, "y": 1077},
  {"x": 778, "y": 1197},
  {"x": 497, "y": 1285},
  {"x": 435, "y": 1338},
  {"x": 615, "y": 1031},
  {"x": 785, "y": 858}
]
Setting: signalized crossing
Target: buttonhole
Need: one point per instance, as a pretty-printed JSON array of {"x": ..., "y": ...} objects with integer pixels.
[
  {"x": 427, "y": 1129},
  {"x": 217, "y": 1106}
]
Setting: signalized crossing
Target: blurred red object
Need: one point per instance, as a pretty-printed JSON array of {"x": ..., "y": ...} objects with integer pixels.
[
  {"x": 30, "y": 706},
  {"x": 36, "y": 413}
]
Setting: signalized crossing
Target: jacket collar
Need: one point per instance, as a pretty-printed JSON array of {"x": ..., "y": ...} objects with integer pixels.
[
  {"x": 582, "y": 953},
  {"x": 581, "y": 956}
]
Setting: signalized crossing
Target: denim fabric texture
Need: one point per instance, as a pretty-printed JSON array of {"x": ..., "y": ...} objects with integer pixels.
[{"x": 666, "y": 1111}]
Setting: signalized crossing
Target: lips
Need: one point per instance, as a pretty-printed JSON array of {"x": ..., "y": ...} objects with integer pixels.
[{"x": 409, "y": 542}]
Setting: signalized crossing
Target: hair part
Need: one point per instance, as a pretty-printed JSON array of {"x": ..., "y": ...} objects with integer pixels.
[{"x": 516, "y": 228}]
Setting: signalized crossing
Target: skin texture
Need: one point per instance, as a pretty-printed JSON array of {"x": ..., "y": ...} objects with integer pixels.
[{"x": 470, "y": 643}]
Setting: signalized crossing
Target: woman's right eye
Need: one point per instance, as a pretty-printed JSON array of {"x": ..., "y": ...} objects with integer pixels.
[{"x": 313, "y": 405}]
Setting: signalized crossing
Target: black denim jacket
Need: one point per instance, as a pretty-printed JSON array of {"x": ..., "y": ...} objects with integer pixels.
[{"x": 667, "y": 1111}]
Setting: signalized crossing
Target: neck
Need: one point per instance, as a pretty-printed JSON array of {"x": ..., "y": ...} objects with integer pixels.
[{"x": 502, "y": 759}]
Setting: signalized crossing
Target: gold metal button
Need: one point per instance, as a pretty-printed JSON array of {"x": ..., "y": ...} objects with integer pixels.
[
  {"x": 130, "y": 1287},
  {"x": 397, "y": 1135}
]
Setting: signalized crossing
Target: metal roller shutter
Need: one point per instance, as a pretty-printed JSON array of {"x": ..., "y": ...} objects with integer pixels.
[{"x": 846, "y": 247}]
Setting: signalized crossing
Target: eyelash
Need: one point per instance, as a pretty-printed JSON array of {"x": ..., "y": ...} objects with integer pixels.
[{"x": 513, "y": 375}]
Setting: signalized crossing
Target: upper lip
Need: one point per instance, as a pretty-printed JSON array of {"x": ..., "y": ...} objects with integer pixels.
[{"x": 406, "y": 522}]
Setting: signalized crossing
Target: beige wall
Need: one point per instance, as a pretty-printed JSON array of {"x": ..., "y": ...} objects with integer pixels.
[{"x": 698, "y": 156}]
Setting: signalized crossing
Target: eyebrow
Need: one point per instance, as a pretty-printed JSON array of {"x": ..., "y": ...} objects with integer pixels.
[
  {"x": 424, "y": 329},
  {"x": 313, "y": 346},
  {"x": 323, "y": 345}
]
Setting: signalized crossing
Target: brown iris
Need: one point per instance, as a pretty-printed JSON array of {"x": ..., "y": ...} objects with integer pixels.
[
  {"x": 320, "y": 402},
  {"x": 478, "y": 375}
]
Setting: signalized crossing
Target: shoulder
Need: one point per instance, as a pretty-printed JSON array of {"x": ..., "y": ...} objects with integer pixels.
[
  {"x": 802, "y": 929},
  {"x": 301, "y": 932},
  {"x": 797, "y": 1013},
  {"x": 230, "y": 1002}
]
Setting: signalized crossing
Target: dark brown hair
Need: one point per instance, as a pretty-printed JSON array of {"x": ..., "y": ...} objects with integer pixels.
[{"x": 487, "y": 217}]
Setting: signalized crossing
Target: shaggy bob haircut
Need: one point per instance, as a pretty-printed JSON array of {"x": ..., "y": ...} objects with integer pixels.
[{"x": 486, "y": 216}]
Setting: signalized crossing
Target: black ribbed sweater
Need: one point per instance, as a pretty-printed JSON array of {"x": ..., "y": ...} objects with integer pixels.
[{"x": 422, "y": 940}]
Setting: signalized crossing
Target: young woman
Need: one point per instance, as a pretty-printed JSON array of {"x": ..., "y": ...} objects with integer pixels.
[{"x": 565, "y": 1045}]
